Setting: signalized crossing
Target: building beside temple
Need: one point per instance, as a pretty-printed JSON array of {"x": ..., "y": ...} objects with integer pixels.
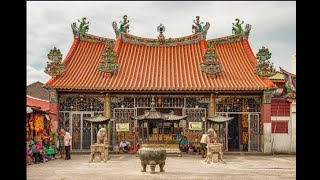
[
  {"x": 190, "y": 76},
  {"x": 283, "y": 111}
]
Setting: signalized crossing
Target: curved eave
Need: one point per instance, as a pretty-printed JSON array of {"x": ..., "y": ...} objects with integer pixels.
[
  {"x": 138, "y": 89},
  {"x": 219, "y": 119},
  {"x": 96, "y": 119},
  {"x": 286, "y": 72}
]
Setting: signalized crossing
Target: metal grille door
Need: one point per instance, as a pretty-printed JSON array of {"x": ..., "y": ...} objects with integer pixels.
[{"x": 254, "y": 134}]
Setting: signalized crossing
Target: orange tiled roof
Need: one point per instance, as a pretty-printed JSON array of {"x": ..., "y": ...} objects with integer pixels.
[{"x": 159, "y": 68}]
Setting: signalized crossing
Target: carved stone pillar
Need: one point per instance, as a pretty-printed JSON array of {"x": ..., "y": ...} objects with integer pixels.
[{"x": 211, "y": 110}]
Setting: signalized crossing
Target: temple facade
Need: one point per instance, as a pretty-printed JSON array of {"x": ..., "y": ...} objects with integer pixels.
[{"x": 190, "y": 76}]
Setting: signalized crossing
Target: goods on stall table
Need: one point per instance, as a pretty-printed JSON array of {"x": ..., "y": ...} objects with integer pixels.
[{"x": 38, "y": 123}]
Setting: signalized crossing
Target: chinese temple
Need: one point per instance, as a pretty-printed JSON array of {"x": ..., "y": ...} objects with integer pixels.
[{"x": 191, "y": 77}]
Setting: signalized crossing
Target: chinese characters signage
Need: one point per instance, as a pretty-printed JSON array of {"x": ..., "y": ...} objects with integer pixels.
[
  {"x": 122, "y": 127},
  {"x": 195, "y": 125}
]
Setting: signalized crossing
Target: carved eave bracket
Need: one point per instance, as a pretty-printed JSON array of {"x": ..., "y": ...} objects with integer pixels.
[
  {"x": 209, "y": 64},
  {"x": 246, "y": 32},
  {"x": 205, "y": 30},
  {"x": 264, "y": 67},
  {"x": 54, "y": 66},
  {"x": 109, "y": 62},
  {"x": 75, "y": 30}
]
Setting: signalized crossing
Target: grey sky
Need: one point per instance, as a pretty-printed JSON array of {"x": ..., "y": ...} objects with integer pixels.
[{"x": 48, "y": 25}]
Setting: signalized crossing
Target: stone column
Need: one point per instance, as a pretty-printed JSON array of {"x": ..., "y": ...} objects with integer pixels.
[
  {"x": 266, "y": 120},
  {"x": 108, "y": 114},
  {"x": 293, "y": 127}
]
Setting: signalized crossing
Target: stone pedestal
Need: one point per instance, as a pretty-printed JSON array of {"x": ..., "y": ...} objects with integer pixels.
[
  {"x": 99, "y": 150},
  {"x": 214, "y": 153}
]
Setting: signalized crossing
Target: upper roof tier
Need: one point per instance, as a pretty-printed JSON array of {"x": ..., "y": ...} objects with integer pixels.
[{"x": 146, "y": 65}]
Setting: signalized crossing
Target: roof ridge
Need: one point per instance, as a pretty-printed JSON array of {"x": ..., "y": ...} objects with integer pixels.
[
  {"x": 284, "y": 71},
  {"x": 28, "y": 96},
  {"x": 94, "y": 38}
]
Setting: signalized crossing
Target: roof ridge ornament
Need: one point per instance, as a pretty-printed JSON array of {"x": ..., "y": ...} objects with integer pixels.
[
  {"x": 209, "y": 64},
  {"x": 161, "y": 28},
  {"x": 83, "y": 27},
  {"x": 124, "y": 26},
  {"x": 54, "y": 66},
  {"x": 264, "y": 67},
  {"x": 237, "y": 29},
  {"x": 109, "y": 62},
  {"x": 197, "y": 27}
]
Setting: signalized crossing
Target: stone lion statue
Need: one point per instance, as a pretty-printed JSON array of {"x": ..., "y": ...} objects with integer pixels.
[{"x": 102, "y": 136}]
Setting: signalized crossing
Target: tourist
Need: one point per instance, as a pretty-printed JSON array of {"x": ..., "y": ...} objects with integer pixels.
[
  {"x": 67, "y": 143},
  {"x": 61, "y": 144},
  {"x": 124, "y": 145},
  {"x": 184, "y": 144}
]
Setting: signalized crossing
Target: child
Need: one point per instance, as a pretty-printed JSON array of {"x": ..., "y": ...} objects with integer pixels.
[
  {"x": 34, "y": 152},
  {"x": 196, "y": 146},
  {"x": 29, "y": 159},
  {"x": 42, "y": 156},
  {"x": 47, "y": 148},
  {"x": 191, "y": 150}
]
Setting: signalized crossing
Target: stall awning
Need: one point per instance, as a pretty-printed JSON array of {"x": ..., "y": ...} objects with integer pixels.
[
  {"x": 98, "y": 118},
  {"x": 29, "y": 110},
  {"x": 219, "y": 118}
]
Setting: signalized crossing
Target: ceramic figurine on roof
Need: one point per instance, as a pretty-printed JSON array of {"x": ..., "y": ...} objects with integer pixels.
[
  {"x": 237, "y": 28},
  {"x": 210, "y": 65},
  {"x": 109, "y": 62},
  {"x": 197, "y": 27},
  {"x": 83, "y": 27},
  {"x": 54, "y": 67},
  {"x": 161, "y": 37},
  {"x": 289, "y": 91},
  {"x": 264, "y": 67},
  {"x": 124, "y": 26}
]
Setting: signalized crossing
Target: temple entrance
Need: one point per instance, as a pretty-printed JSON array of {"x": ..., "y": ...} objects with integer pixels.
[{"x": 233, "y": 133}]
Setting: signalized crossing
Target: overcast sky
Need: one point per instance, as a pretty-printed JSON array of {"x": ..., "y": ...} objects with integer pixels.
[{"x": 48, "y": 25}]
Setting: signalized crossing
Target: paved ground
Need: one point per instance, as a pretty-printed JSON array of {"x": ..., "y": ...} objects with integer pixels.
[{"x": 187, "y": 167}]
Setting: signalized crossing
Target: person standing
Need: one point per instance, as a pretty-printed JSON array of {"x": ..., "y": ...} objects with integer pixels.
[
  {"x": 67, "y": 143},
  {"x": 205, "y": 139},
  {"x": 61, "y": 143}
]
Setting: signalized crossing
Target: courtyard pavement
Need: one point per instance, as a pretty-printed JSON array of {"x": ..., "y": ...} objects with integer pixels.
[{"x": 127, "y": 166}]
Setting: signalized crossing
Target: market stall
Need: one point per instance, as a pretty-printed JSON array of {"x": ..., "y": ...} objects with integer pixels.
[{"x": 38, "y": 124}]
